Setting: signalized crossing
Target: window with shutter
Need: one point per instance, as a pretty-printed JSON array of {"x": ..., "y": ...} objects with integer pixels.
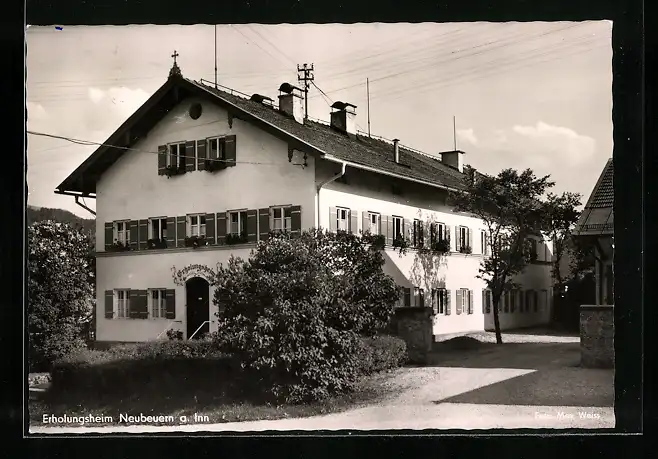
[
  {"x": 281, "y": 218},
  {"x": 109, "y": 304},
  {"x": 407, "y": 297},
  {"x": 237, "y": 224},
  {"x": 342, "y": 219},
  {"x": 448, "y": 301},
  {"x": 122, "y": 303},
  {"x": 158, "y": 303},
  {"x": 459, "y": 306},
  {"x": 398, "y": 228},
  {"x": 470, "y": 301}
]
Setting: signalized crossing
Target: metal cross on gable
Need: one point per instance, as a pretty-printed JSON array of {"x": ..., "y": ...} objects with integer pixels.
[{"x": 175, "y": 55}]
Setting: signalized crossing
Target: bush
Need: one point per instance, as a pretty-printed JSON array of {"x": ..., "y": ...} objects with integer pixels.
[
  {"x": 60, "y": 291},
  {"x": 379, "y": 353},
  {"x": 133, "y": 368},
  {"x": 293, "y": 312}
]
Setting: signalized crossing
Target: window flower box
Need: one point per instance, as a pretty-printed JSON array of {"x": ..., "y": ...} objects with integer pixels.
[
  {"x": 232, "y": 239},
  {"x": 118, "y": 246},
  {"x": 442, "y": 246},
  {"x": 401, "y": 242},
  {"x": 173, "y": 170},
  {"x": 196, "y": 241},
  {"x": 215, "y": 165},
  {"x": 465, "y": 249},
  {"x": 156, "y": 244}
]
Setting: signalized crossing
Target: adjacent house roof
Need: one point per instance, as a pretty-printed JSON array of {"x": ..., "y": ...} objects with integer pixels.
[
  {"x": 597, "y": 219},
  {"x": 312, "y": 137}
]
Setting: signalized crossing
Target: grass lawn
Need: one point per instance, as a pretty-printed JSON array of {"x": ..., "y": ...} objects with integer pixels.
[{"x": 216, "y": 407}]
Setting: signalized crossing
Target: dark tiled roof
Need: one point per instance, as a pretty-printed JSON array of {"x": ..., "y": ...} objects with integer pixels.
[
  {"x": 603, "y": 194},
  {"x": 362, "y": 150},
  {"x": 598, "y": 217}
]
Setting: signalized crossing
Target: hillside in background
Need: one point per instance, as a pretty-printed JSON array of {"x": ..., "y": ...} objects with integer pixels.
[{"x": 37, "y": 214}]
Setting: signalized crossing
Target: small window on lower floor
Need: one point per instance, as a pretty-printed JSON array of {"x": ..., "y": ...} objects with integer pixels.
[
  {"x": 122, "y": 303},
  {"x": 158, "y": 305}
]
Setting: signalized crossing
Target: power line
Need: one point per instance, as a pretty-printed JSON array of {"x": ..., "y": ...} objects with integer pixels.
[
  {"x": 251, "y": 40},
  {"x": 434, "y": 62},
  {"x": 90, "y": 143}
]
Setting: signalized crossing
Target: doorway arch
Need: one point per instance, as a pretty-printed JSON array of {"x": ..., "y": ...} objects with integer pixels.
[{"x": 197, "y": 292}]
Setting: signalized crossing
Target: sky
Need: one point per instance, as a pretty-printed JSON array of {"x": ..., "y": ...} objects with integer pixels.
[{"x": 523, "y": 95}]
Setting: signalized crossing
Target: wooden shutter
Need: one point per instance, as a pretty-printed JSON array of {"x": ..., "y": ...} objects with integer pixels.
[
  {"x": 534, "y": 300},
  {"x": 181, "y": 230},
  {"x": 435, "y": 301},
  {"x": 448, "y": 301},
  {"x": 365, "y": 222},
  {"x": 296, "y": 220},
  {"x": 447, "y": 234},
  {"x": 407, "y": 296},
  {"x": 109, "y": 235},
  {"x": 470, "y": 301},
  {"x": 109, "y": 304},
  {"x": 263, "y": 224},
  {"x": 138, "y": 304},
  {"x": 162, "y": 159},
  {"x": 170, "y": 302},
  {"x": 354, "y": 221},
  {"x": 458, "y": 245},
  {"x": 484, "y": 301},
  {"x": 210, "y": 228},
  {"x": 333, "y": 219},
  {"x": 389, "y": 229},
  {"x": 221, "y": 228},
  {"x": 201, "y": 154},
  {"x": 143, "y": 234},
  {"x": 252, "y": 225},
  {"x": 134, "y": 234},
  {"x": 470, "y": 240},
  {"x": 190, "y": 152},
  {"x": 229, "y": 151},
  {"x": 459, "y": 306},
  {"x": 171, "y": 231},
  {"x": 408, "y": 228}
]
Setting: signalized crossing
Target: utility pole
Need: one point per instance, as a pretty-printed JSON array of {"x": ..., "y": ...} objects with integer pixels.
[
  {"x": 454, "y": 131},
  {"x": 368, "y": 92},
  {"x": 215, "y": 56},
  {"x": 307, "y": 78}
]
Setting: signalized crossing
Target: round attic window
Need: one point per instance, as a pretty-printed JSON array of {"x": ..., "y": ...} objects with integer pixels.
[{"x": 195, "y": 111}]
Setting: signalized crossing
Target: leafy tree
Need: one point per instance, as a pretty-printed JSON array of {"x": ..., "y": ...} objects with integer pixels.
[
  {"x": 510, "y": 206},
  {"x": 60, "y": 290},
  {"x": 293, "y": 311},
  {"x": 560, "y": 218}
]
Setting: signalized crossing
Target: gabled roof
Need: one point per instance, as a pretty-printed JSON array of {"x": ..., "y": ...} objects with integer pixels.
[
  {"x": 312, "y": 137},
  {"x": 597, "y": 219}
]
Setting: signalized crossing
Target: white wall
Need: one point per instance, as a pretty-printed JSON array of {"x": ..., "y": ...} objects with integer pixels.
[
  {"x": 263, "y": 176},
  {"x": 152, "y": 269}
]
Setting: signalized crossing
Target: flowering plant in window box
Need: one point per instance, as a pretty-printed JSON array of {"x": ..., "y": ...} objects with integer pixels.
[
  {"x": 118, "y": 246},
  {"x": 236, "y": 238},
  {"x": 214, "y": 165},
  {"x": 376, "y": 241},
  {"x": 465, "y": 249},
  {"x": 156, "y": 243},
  {"x": 196, "y": 241},
  {"x": 442, "y": 245},
  {"x": 401, "y": 243}
]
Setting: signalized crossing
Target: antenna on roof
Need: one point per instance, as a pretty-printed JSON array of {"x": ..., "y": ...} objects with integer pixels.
[
  {"x": 215, "y": 56},
  {"x": 368, "y": 92},
  {"x": 454, "y": 131}
]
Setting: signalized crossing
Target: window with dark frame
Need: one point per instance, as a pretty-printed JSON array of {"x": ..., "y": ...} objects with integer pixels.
[
  {"x": 237, "y": 223},
  {"x": 374, "y": 220},
  {"x": 158, "y": 228},
  {"x": 281, "y": 218},
  {"x": 398, "y": 227},
  {"x": 176, "y": 155},
  {"x": 122, "y": 303},
  {"x": 197, "y": 225},
  {"x": 158, "y": 303},
  {"x": 342, "y": 219}
]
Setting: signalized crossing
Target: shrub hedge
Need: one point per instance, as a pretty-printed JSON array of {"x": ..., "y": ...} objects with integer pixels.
[
  {"x": 161, "y": 365},
  {"x": 379, "y": 353}
]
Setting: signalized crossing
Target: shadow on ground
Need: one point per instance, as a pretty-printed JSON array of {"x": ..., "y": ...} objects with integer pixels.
[{"x": 556, "y": 377}]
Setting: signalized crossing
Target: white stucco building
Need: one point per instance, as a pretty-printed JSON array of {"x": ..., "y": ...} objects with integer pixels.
[{"x": 198, "y": 174}]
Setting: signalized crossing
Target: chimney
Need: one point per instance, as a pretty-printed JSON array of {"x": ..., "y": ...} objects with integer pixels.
[
  {"x": 396, "y": 150},
  {"x": 291, "y": 102},
  {"x": 454, "y": 159},
  {"x": 343, "y": 118}
]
